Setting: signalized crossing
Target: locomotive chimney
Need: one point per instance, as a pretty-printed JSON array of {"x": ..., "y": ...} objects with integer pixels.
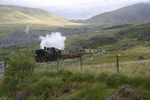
[{"x": 44, "y": 48}]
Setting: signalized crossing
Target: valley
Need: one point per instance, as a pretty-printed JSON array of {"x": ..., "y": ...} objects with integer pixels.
[{"x": 20, "y": 28}]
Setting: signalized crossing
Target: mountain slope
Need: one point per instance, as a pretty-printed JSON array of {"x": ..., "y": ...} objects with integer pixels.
[
  {"x": 16, "y": 14},
  {"x": 136, "y": 12}
]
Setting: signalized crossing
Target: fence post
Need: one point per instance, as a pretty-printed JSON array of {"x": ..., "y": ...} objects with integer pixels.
[
  {"x": 57, "y": 63},
  {"x": 43, "y": 64},
  {"x": 118, "y": 63},
  {"x": 5, "y": 63},
  {"x": 81, "y": 62}
]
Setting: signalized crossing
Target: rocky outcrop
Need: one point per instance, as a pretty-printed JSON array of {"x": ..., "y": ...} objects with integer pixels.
[
  {"x": 97, "y": 41},
  {"x": 140, "y": 58},
  {"x": 21, "y": 37}
]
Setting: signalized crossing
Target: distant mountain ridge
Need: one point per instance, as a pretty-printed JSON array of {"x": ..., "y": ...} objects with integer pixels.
[{"x": 136, "y": 12}]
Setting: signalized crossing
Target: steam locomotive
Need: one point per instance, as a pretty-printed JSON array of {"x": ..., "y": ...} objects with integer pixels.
[{"x": 51, "y": 53}]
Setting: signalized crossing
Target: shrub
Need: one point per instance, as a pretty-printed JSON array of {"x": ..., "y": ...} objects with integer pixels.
[
  {"x": 22, "y": 95},
  {"x": 146, "y": 83},
  {"x": 96, "y": 92},
  {"x": 114, "y": 80},
  {"x": 21, "y": 64},
  {"x": 111, "y": 80},
  {"x": 27, "y": 82},
  {"x": 101, "y": 77},
  {"x": 65, "y": 74},
  {"x": 10, "y": 83},
  {"x": 125, "y": 93},
  {"x": 59, "y": 83},
  {"x": 71, "y": 98},
  {"x": 66, "y": 88},
  {"x": 1, "y": 87},
  {"x": 33, "y": 98},
  {"x": 50, "y": 73},
  {"x": 1, "y": 93},
  {"x": 89, "y": 77},
  {"x": 122, "y": 79},
  {"x": 76, "y": 77},
  {"x": 43, "y": 87},
  {"x": 136, "y": 81}
]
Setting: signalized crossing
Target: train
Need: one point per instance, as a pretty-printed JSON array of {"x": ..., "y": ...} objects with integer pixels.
[{"x": 52, "y": 53}]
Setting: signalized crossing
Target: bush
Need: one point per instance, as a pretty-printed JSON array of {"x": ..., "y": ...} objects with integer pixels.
[
  {"x": 65, "y": 74},
  {"x": 21, "y": 64},
  {"x": 1, "y": 87},
  {"x": 33, "y": 98},
  {"x": 50, "y": 73},
  {"x": 66, "y": 88},
  {"x": 22, "y": 95},
  {"x": 101, "y": 77},
  {"x": 122, "y": 79},
  {"x": 111, "y": 81},
  {"x": 76, "y": 77},
  {"x": 125, "y": 93},
  {"x": 136, "y": 81},
  {"x": 10, "y": 83},
  {"x": 43, "y": 87},
  {"x": 27, "y": 82},
  {"x": 1, "y": 93},
  {"x": 89, "y": 77},
  {"x": 96, "y": 92}
]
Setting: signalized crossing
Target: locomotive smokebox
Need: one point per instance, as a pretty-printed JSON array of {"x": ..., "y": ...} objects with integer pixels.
[{"x": 44, "y": 48}]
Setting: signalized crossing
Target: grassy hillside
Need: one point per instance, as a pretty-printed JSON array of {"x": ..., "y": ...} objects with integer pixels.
[
  {"x": 118, "y": 36},
  {"x": 136, "y": 12},
  {"x": 17, "y": 14},
  {"x": 18, "y": 18},
  {"x": 113, "y": 36},
  {"x": 141, "y": 32}
]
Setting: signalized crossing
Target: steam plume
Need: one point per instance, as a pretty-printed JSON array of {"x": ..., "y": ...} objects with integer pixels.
[
  {"x": 53, "y": 40},
  {"x": 27, "y": 29}
]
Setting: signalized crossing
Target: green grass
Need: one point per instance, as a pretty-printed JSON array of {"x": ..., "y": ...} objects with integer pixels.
[
  {"x": 100, "y": 86},
  {"x": 125, "y": 55},
  {"x": 97, "y": 91},
  {"x": 99, "y": 81}
]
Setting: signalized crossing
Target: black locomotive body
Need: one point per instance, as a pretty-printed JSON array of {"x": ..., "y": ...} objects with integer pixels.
[
  {"x": 51, "y": 53},
  {"x": 47, "y": 54}
]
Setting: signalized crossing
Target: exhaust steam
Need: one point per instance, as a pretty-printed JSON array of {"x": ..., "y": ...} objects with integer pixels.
[
  {"x": 53, "y": 40},
  {"x": 27, "y": 29}
]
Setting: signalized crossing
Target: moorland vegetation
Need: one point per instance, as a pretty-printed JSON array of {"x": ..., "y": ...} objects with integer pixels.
[{"x": 27, "y": 80}]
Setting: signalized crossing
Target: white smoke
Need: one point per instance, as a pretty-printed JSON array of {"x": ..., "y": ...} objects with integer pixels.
[
  {"x": 27, "y": 29},
  {"x": 53, "y": 40}
]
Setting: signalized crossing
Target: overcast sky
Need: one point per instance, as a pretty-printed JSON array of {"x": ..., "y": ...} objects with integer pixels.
[{"x": 74, "y": 9}]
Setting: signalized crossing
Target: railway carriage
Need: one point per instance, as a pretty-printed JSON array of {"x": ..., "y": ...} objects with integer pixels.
[
  {"x": 65, "y": 54},
  {"x": 73, "y": 53},
  {"x": 81, "y": 52}
]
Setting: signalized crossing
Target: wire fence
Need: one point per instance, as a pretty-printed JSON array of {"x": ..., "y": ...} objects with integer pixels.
[
  {"x": 95, "y": 62},
  {"x": 67, "y": 62}
]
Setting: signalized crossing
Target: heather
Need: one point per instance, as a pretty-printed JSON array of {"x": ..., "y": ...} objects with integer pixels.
[{"x": 69, "y": 85}]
